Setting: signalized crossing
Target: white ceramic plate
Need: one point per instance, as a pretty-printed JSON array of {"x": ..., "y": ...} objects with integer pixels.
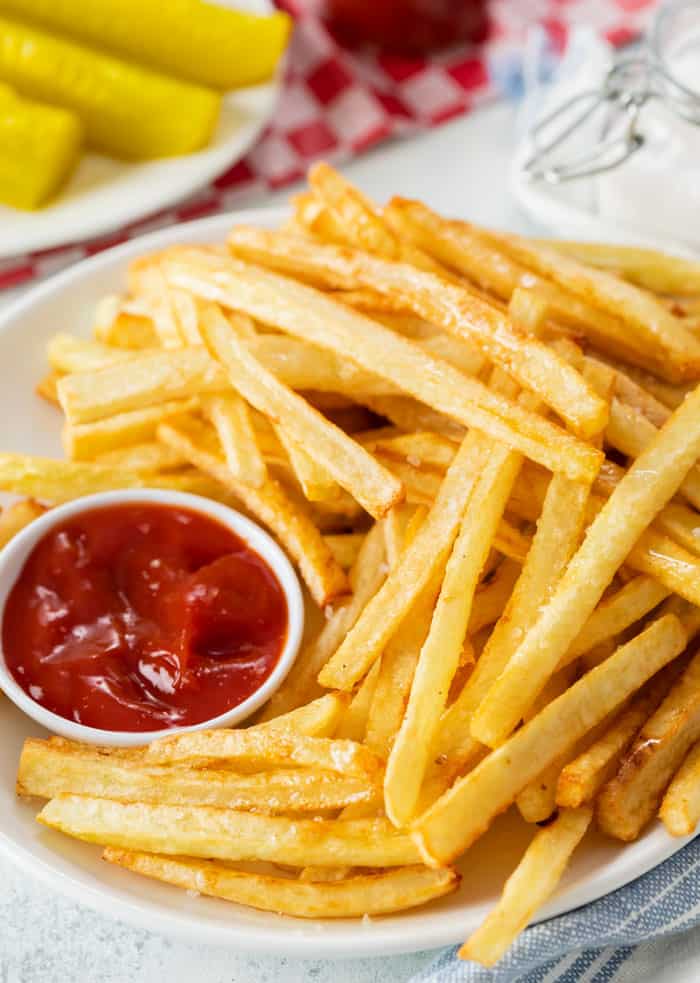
[
  {"x": 105, "y": 194},
  {"x": 27, "y": 424}
]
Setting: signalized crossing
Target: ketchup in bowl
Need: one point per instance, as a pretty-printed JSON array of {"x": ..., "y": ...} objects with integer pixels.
[{"x": 143, "y": 617}]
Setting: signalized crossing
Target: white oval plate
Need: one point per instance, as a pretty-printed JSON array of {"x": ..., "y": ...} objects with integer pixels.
[
  {"x": 27, "y": 424},
  {"x": 105, "y": 194}
]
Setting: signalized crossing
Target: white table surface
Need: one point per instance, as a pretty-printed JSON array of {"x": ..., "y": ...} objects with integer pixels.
[{"x": 459, "y": 168}]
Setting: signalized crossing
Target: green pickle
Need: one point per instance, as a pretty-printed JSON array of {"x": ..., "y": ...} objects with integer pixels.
[
  {"x": 203, "y": 42},
  {"x": 39, "y": 147},
  {"x": 126, "y": 111}
]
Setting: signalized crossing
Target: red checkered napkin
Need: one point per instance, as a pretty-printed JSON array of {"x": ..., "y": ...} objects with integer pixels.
[{"x": 336, "y": 103}]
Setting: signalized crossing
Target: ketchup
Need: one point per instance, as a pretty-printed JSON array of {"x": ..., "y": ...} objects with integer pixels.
[{"x": 142, "y": 617}]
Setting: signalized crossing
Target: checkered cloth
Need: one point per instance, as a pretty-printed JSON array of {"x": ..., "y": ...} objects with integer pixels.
[
  {"x": 599, "y": 943},
  {"x": 336, "y": 103}
]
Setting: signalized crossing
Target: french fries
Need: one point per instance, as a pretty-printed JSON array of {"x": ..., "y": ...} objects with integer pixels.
[
  {"x": 468, "y": 808},
  {"x": 528, "y": 887},
  {"x": 629, "y": 800},
  {"x": 648, "y": 485},
  {"x": 228, "y": 834},
  {"x": 481, "y": 452},
  {"x": 680, "y": 808},
  {"x": 364, "y": 894}
]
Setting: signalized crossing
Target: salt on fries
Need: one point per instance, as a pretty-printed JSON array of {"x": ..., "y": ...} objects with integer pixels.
[{"x": 481, "y": 453}]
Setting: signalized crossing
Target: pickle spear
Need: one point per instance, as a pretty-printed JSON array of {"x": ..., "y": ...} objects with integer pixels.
[
  {"x": 39, "y": 146},
  {"x": 191, "y": 39},
  {"x": 126, "y": 111}
]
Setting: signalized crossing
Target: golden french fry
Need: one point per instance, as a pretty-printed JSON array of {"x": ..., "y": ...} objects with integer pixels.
[
  {"x": 68, "y": 354},
  {"x": 439, "y": 657},
  {"x": 491, "y": 598},
  {"x": 340, "y": 456},
  {"x": 442, "y": 303},
  {"x": 532, "y": 882},
  {"x": 232, "y": 422},
  {"x": 581, "y": 779},
  {"x": 648, "y": 268},
  {"x": 151, "y": 284},
  {"x": 629, "y": 431},
  {"x": 420, "y": 449},
  {"x": 58, "y": 481},
  {"x": 268, "y": 747},
  {"x": 648, "y": 321},
  {"x": 616, "y": 613},
  {"x": 314, "y": 480},
  {"x": 644, "y": 490},
  {"x": 47, "y": 388},
  {"x": 316, "y": 718},
  {"x": 354, "y": 723},
  {"x": 680, "y": 523},
  {"x": 150, "y": 380},
  {"x": 150, "y": 456},
  {"x": 463, "y": 813},
  {"x": 364, "y": 894},
  {"x": 47, "y": 771},
  {"x": 366, "y": 577},
  {"x": 680, "y": 808},
  {"x": 124, "y": 323},
  {"x": 14, "y": 518},
  {"x": 630, "y": 800},
  {"x": 386, "y": 610},
  {"x": 227, "y": 834},
  {"x": 294, "y": 528},
  {"x": 86, "y": 441}
]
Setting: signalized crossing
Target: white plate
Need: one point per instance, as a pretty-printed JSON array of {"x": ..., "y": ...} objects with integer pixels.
[
  {"x": 105, "y": 194},
  {"x": 27, "y": 424}
]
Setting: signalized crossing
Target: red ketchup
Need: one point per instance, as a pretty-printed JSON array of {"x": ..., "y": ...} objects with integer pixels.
[{"x": 143, "y": 617}]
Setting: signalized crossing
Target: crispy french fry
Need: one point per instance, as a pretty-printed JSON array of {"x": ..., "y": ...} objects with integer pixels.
[
  {"x": 363, "y": 894},
  {"x": 648, "y": 485},
  {"x": 647, "y": 268},
  {"x": 15, "y": 517},
  {"x": 58, "y": 481},
  {"x": 581, "y": 779},
  {"x": 680, "y": 523},
  {"x": 366, "y": 577},
  {"x": 47, "y": 388},
  {"x": 227, "y": 834},
  {"x": 630, "y": 800},
  {"x": 674, "y": 567},
  {"x": 149, "y": 456},
  {"x": 316, "y": 718},
  {"x": 445, "y": 304},
  {"x": 315, "y": 481},
  {"x": 440, "y": 654},
  {"x": 340, "y": 456},
  {"x": 492, "y": 596},
  {"x": 386, "y": 610},
  {"x": 532, "y": 882},
  {"x": 151, "y": 284},
  {"x": 630, "y": 432},
  {"x": 151, "y": 380},
  {"x": 616, "y": 613},
  {"x": 259, "y": 744},
  {"x": 354, "y": 723},
  {"x": 86, "y": 441},
  {"x": 47, "y": 771},
  {"x": 646, "y": 318},
  {"x": 460, "y": 816},
  {"x": 124, "y": 323},
  {"x": 68, "y": 354},
  {"x": 680, "y": 808},
  {"x": 230, "y": 417},
  {"x": 420, "y": 449},
  {"x": 295, "y": 529}
]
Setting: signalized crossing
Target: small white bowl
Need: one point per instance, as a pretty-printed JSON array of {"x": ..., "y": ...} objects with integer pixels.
[{"x": 15, "y": 554}]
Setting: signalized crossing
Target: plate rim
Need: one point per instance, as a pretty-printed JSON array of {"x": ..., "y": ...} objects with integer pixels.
[{"x": 303, "y": 941}]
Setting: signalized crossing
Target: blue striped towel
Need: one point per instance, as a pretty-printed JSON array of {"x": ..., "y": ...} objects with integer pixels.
[{"x": 593, "y": 943}]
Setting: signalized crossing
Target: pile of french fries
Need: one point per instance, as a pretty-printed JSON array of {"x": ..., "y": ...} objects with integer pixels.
[{"x": 481, "y": 452}]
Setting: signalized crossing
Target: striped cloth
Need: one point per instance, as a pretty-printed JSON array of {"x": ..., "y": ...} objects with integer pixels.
[{"x": 599, "y": 942}]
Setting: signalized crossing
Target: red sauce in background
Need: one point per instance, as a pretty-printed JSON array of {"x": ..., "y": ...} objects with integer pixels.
[
  {"x": 409, "y": 27},
  {"x": 142, "y": 617}
]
